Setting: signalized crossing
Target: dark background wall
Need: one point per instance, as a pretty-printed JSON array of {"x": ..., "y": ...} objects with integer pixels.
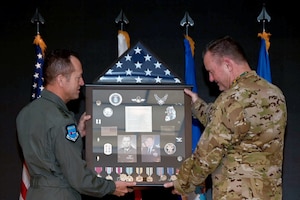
[{"x": 88, "y": 27}]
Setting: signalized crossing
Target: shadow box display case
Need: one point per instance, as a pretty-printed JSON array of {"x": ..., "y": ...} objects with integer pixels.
[{"x": 137, "y": 133}]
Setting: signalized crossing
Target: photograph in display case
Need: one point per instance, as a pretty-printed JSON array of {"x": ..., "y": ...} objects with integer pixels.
[{"x": 138, "y": 133}]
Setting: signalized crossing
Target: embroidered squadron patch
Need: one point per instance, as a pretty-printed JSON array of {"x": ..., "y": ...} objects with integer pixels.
[{"x": 72, "y": 133}]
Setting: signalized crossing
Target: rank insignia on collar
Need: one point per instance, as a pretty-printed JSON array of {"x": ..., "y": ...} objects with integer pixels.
[{"x": 72, "y": 133}]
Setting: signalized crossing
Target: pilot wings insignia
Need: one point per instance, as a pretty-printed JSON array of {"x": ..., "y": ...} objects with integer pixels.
[
  {"x": 162, "y": 100},
  {"x": 138, "y": 99}
]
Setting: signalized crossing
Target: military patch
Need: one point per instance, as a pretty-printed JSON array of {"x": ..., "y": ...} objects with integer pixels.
[{"x": 72, "y": 133}]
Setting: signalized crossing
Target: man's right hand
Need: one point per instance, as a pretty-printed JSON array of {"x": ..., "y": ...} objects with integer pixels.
[{"x": 123, "y": 187}]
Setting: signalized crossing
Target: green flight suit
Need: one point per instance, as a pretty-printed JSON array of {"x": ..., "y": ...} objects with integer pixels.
[
  {"x": 242, "y": 143},
  {"x": 52, "y": 148}
]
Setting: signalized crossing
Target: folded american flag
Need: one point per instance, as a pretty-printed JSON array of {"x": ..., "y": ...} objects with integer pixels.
[{"x": 138, "y": 66}]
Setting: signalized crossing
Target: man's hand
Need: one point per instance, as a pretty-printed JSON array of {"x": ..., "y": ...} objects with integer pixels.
[
  {"x": 123, "y": 187},
  {"x": 82, "y": 124},
  {"x": 192, "y": 94},
  {"x": 169, "y": 185}
]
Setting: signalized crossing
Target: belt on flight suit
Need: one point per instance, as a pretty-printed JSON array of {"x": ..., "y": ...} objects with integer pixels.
[{"x": 42, "y": 181}]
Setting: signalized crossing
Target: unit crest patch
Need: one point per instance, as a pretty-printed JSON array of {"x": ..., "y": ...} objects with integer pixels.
[{"x": 72, "y": 133}]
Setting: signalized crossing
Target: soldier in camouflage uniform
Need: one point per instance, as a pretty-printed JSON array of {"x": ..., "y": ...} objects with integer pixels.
[{"x": 242, "y": 144}]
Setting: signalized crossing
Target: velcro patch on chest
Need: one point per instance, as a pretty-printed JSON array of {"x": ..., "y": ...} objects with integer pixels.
[{"x": 72, "y": 133}]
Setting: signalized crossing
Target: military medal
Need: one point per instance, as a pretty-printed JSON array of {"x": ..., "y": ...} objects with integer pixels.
[
  {"x": 139, "y": 170},
  {"x": 123, "y": 177},
  {"x": 109, "y": 177},
  {"x": 98, "y": 170},
  {"x": 118, "y": 171},
  {"x": 149, "y": 179},
  {"x": 173, "y": 177},
  {"x": 170, "y": 171},
  {"x": 149, "y": 172},
  {"x": 129, "y": 171},
  {"x": 163, "y": 178},
  {"x": 160, "y": 173},
  {"x": 109, "y": 171},
  {"x": 129, "y": 178}
]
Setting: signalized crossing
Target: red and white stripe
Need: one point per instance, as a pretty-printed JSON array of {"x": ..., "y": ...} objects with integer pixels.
[{"x": 25, "y": 182}]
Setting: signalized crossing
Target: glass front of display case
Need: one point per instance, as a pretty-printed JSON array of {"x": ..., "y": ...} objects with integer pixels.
[{"x": 137, "y": 132}]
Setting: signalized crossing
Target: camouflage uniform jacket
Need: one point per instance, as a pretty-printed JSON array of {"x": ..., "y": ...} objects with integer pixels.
[{"x": 242, "y": 143}]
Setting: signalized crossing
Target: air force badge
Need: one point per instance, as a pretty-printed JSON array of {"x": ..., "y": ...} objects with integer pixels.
[{"x": 72, "y": 133}]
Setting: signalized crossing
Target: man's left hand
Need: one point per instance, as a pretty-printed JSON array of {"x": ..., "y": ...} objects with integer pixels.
[{"x": 82, "y": 124}]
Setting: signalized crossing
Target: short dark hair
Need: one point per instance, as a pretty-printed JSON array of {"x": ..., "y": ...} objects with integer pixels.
[
  {"x": 226, "y": 46},
  {"x": 58, "y": 62}
]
